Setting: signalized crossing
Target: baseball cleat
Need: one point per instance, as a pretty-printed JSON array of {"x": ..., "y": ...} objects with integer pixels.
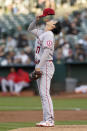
[{"x": 45, "y": 124}]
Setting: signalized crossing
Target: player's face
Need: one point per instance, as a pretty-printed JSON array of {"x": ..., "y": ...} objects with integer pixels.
[
  {"x": 12, "y": 69},
  {"x": 50, "y": 25}
]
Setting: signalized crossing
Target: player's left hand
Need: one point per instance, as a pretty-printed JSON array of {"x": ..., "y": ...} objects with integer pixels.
[{"x": 36, "y": 74}]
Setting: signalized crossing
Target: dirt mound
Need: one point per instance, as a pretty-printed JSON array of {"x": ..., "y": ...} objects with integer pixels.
[
  {"x": 36, "y": 116},
  {"x": 56, "y": 128}
]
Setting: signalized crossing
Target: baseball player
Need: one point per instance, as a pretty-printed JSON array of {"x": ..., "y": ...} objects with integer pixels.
[
  {"x": 22, "y": 80},
  {"x": 44, "y": 48},
  {"x": 9, "y": 81}
]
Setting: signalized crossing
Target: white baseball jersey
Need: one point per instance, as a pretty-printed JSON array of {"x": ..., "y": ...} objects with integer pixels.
[
  {"x": 44, "y": 40},
  {"x": 44, "y": 48}
]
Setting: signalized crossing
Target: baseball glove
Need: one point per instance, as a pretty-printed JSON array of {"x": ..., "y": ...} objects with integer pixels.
[{"x": 35, "y": 75}]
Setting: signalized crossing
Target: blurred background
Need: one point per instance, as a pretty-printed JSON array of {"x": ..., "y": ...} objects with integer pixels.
[{"x": 17, "y": 45}]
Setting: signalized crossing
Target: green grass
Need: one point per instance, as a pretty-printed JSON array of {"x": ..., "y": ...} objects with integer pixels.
[
  {"x": 34, "y": 103},
  {"x": 9, "y": 126}
]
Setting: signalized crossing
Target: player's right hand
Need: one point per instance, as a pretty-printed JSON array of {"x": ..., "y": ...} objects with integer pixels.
[{"x": 37, "y": 18}]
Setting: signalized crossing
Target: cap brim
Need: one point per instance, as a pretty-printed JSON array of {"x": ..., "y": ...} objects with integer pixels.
[{"x": 42, "y": 16}]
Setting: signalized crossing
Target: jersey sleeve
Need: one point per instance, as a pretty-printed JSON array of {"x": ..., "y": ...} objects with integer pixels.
[
  {"x": 33, "y": 29},
  {"x": 48, "y": 41}
]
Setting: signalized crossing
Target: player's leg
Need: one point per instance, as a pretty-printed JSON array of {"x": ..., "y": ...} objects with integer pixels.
[
  {"x": 16, "y": 88},
  {"x": 22, "y": 85},
  {"x": 48, "y": 114},
  {"x": 4, "y": 84},
  {"x": 47, "y": 105},
  {"x": 11, "y": 86},
  {"x": 19, "y": 86},
  {"x": 48, "y": 74},
  {"x": 39, "y": 86},
  {"x": 44, "y": 91}
]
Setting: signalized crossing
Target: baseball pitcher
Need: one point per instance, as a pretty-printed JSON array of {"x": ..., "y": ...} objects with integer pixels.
[{"x": 44, "y": 48}]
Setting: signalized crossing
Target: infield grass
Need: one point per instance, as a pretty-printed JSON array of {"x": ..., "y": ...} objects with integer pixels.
[
  {"x": 12, "y": 125},
  {"x": 34, "y": 103}
]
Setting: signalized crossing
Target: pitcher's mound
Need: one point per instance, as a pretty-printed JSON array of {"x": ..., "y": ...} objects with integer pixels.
[{"x": 56, "y": 128}]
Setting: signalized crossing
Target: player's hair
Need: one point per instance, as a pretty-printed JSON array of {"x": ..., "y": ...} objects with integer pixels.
[{"x": 57, "y": 28}]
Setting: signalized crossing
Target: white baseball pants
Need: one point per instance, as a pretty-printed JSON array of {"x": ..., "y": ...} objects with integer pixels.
[
  {"x": 44, "y": 91},
  {"x": 5, "y": 83},
  {"x": 19, "y": 86}
]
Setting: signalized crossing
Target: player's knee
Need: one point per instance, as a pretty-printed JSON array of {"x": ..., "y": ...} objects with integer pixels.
[
  {"x": 10, "y": 82},
  {"x": 3, "y": 81},
  {"x": 44, "y": 95}
]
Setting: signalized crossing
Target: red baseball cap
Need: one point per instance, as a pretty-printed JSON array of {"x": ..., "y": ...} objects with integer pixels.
[{"x": 47, "y": 11}]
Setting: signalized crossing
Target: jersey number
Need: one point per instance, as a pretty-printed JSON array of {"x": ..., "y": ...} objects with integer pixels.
[{"x": 38, "y": 49}]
